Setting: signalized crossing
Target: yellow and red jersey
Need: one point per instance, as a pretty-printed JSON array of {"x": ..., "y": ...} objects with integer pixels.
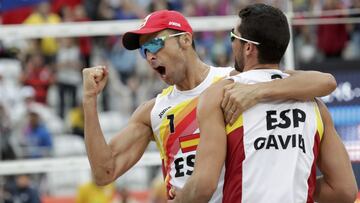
[{"x": 176, "y": 131}]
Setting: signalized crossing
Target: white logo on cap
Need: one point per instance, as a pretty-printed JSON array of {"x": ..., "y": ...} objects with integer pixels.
[
  {"x": 145, "y": 21},
  {"x": 175, "y": 24}
]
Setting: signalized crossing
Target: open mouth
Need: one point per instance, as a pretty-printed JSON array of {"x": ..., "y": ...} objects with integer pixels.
[{"x": 161, "y": 70}]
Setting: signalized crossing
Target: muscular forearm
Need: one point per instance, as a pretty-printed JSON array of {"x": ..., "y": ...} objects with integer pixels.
[
  {"x": 194, "y": 191},
  {"x": 302, "y": 85},
  {"x": 325, "y": 193},
  {"x": 99, "y": 152}
]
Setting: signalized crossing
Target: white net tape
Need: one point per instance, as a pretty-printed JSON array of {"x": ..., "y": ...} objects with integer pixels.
[
  {"x": 63, "y": 164},
  {"x": 102, "y": 28}
]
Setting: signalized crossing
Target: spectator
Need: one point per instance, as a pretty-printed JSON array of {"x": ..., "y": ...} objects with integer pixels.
[
  {"x": 156, "y": 5},
  {"x": 21, "y": 191},
  {"x": 105, "y": 11},
  {"x": 46, "y": 113},
  {"x": 37, "y": 139},
  {"x": 220, "y": 50},
  {"x": 212, "y": 7},
  {"x": 43, "y": 15},
  {"x": 305, "y": 45},
  {"x": 158, "y": 191},
  {"x": 91, "y": 193},
  {"x": 6, "y": 150},
  {"x": 123, "y": 61},
  {"x": 91, "y": 8},
  {"x": 334, "y": 33},
  {"x": 37, "y": 75},
  {"x": 188, "y": 8},
  {"x": 66, "y": 14},
  {"x": 127, "y": 10},
  {"x": 8, "y": 92},
  {"x": 84, "y": 42},
  {"x": 76, "y": 120},
  {"x": 68, "y": 74},
  {"x": 125, "y": 196},
  {"x": 355, "y": 34}
]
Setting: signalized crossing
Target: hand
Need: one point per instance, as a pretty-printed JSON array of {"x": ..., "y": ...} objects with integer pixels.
[
  {"x": 238, "y": 98},
  {"x": 94, "y": 80},
  {"x": 173, "y": 192}
]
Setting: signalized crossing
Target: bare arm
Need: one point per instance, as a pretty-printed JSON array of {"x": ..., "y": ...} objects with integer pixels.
[
  {"x": 211, "y": 152},
  {"x": 301, "y": 85},
  {"x": 338, "y": 182},
  {"x": 109, "y": 161}
]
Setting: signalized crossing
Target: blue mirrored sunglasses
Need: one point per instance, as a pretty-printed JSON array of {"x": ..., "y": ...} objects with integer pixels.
[{"x": 154, "y": 45}]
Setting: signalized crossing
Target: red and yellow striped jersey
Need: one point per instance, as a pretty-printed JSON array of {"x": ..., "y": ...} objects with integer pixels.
[{"x": 176, "y": 132}]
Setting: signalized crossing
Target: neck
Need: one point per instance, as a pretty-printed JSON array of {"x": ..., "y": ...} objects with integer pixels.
[
  {"x": 261, "y": 66},
  {"x": 196, "y": 72}
]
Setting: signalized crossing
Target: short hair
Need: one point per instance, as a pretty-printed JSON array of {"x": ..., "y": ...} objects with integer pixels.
[{"x": 268, "y": 26}]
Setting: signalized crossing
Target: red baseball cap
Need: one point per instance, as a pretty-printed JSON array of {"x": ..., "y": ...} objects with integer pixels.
[{"x": 155, "y": 22}]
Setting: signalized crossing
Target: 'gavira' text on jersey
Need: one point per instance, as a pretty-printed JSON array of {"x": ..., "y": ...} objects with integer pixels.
[{"x": 290, "y": 118}]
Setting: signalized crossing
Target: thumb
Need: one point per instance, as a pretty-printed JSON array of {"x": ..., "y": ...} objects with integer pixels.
[
  {"x": 101, "y": 73},
  {"x": 229, "y": 86},
  {"x": 172, "y": 193}
]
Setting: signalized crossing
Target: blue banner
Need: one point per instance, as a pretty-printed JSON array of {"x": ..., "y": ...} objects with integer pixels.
[{"x": 6, "y": 5}]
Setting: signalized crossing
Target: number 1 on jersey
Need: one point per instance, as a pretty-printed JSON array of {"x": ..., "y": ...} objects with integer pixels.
[{"x": 171, "y": 122}]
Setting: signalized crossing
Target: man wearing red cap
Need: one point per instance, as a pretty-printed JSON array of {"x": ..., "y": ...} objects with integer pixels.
[{"x": 165, "y": 40}]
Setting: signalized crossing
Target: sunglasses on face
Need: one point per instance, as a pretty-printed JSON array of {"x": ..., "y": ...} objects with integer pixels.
[
  {"x": 233, "y": 36},
  {"x": 154, "y": 45}
]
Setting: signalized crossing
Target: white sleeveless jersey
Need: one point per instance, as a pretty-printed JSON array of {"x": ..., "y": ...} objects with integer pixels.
[
  {"x": 272, "y": 149},
  {"x": 176, "y": 132}
]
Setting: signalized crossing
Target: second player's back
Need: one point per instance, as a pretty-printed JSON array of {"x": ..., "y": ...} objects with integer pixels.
[{"x": 272, "y": 149}]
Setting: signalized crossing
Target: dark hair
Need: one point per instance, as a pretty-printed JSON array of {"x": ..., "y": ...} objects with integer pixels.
[{"x": 268, "y": 26}]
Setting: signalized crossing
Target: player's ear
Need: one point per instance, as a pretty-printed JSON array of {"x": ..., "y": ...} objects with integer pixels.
[
  {"x": 250, "y": 48},
  {"x": 185, "y": 40}
]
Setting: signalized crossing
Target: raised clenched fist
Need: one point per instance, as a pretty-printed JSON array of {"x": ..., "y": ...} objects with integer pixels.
[{"x": 94, "y": 80}]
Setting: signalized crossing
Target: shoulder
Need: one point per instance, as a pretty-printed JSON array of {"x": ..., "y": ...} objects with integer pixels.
[
  {"x": 143, "y": 113},
  {"x": 322, "y": 107},
  {"x": 222, "y": 70},
  {"x": 324, "y": 112},
  {"x": 216, "y": 89},
  {"x": 146, "y": 107},
  {"x": 213, "y": 95}
]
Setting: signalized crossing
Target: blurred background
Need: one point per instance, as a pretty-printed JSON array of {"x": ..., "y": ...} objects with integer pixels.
[{"x": 44, "y": 45}]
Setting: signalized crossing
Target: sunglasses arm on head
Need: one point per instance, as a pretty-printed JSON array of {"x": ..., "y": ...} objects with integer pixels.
[{"x": 233, "y": 36}]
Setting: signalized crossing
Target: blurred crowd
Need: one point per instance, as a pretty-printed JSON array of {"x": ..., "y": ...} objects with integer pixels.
[{"x": 40, "y": 79}]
